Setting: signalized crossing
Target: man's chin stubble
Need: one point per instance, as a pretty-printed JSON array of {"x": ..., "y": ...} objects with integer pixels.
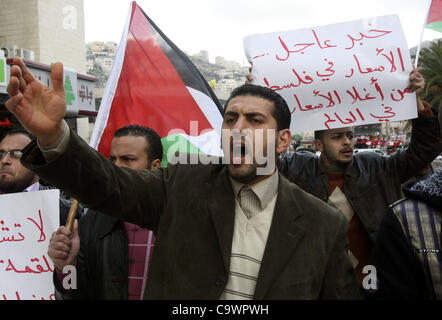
[{"x": 243, "y": 178}]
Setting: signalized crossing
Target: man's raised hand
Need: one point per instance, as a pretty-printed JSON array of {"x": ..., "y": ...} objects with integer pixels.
[
  {"x": 39, "y": 109},
  {"x": 417, "y": 84}
]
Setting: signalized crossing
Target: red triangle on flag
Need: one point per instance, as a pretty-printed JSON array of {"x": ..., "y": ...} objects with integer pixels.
[
  {"x": 435, "y": 13},
  {"x": 150, "y": 91}
]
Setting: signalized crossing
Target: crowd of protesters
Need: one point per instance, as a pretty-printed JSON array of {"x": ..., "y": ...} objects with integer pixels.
[
  {"x": 394, "y": 143},
  {"x": 307, "y": 230}
]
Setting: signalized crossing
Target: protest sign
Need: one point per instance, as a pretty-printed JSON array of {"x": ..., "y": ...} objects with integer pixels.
[
  {"x": 27, "y": 221},
  {"x": 339, "y": 75}
]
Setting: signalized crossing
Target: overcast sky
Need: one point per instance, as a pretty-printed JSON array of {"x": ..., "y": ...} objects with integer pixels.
[{"x": 219, "y": 26}]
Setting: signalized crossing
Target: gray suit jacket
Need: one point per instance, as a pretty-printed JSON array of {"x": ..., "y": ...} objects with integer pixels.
[{"x": 191, "y": 210}]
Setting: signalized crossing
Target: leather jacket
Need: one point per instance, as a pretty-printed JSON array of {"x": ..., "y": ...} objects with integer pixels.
[
  {"x": 372, "y": 182},
  {"x": 102, "y": 270}
]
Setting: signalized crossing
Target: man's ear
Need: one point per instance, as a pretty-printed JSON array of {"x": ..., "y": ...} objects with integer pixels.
[
  {"x": 155, "y": 164},
  {"x": 284, "y": 140},
  {"x": 318, "y": 145}
]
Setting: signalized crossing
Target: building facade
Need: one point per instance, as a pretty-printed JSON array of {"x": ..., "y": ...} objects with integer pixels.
[{"x": 45, "y": 31}]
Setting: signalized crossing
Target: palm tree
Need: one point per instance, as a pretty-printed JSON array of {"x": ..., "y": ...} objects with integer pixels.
[{"x": 430, "y": 60}]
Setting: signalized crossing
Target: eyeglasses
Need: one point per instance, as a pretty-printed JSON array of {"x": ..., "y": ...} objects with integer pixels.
[{"x": 16, "y": 154}]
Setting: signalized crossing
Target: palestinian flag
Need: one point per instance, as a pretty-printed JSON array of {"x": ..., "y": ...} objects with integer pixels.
[
  {"x": 434, "y": 20},
  {"x": 154, "y": 84}
]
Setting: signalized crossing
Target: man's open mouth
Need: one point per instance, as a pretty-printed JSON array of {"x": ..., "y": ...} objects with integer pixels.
[
  {"x": 347, "y": 152},
  {"x": 238, "y": 152}
]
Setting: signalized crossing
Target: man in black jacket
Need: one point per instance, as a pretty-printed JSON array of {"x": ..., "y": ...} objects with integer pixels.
[{"x": 114, "y": 257}]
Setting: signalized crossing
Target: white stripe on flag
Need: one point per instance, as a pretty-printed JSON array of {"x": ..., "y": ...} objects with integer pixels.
[
  {"x": 111, "y": 86},
  {"x": 208, "y": 142},
  {"x": 209, "y": 108}
]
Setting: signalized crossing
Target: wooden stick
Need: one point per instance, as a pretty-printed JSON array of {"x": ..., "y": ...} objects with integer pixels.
[{"x": 72, "y": 214}]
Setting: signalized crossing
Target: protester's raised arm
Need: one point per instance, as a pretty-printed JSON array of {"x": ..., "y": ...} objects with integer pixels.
[
  {"x": 249, "y": 77},
  {"x": 417, "y": 84},
  {"x": 425, "y": 143},
  {"x": 39, "y": 109},
  {"x": 136, "y": 196}
]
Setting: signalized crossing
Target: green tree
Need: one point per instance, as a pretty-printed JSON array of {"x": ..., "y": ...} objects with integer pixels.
[
  {"x": 430, "y": 60},
  {"x": 296, "y": 137},
  {"x": 296, "y": 140}
]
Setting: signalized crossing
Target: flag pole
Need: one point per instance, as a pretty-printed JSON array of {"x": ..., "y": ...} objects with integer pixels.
[
  {"x": 72, "y": 213},
  {"x": 416, "y": 59},
  {"x": 100, "y": 124}
]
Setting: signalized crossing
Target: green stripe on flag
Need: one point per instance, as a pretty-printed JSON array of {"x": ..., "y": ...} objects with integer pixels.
[
  {"x": 178, "y": 143},
  {"x": 437, "y": 26}
]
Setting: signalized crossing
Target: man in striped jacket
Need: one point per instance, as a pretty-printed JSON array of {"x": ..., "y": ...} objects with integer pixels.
[{"x": 407, "y": 252}]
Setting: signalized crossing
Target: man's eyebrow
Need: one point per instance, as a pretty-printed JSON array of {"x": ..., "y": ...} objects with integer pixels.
[
  {"x": 248, "y": 114},
  {"x": 125, "y": 155},
  {"x": 253, "y": 114},
  {"x": 341, "y": 133}
]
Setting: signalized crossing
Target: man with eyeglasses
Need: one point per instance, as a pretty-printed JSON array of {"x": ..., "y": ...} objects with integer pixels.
[{"x": 13, "y": 176}]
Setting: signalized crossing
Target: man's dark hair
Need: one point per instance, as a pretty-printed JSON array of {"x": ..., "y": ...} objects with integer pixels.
[
  {"x": 280, "y": 111},
  {"x": 155, "y": 149},
  {"x": 16, "y": 131},
  {"x": 319, "y": 134}
]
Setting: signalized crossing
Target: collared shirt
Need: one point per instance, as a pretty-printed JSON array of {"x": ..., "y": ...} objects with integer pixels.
[
  {"x": 263, "y": 191},
  {"x": 33, "y": 187},
  {"x": 250, "y": 237},
  {"x": 140, "y": 243}
]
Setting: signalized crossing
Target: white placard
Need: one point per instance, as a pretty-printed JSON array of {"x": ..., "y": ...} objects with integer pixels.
[
  {"x": 339, "y": 75},
  {"x": 27, "y": 221}
]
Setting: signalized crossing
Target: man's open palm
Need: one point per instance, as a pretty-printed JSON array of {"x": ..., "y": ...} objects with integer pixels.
[{"x": 39, "y": 109}]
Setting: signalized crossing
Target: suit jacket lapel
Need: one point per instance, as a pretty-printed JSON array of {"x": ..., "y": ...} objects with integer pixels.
[
  {"x": 221, "y": 204},
  {"x": 285, "y": 233}
]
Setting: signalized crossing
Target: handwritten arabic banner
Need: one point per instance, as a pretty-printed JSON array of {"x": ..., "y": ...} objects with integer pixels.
[
  {"x": 339, "y": 75},
  {"x": 27, "y": 221}
]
